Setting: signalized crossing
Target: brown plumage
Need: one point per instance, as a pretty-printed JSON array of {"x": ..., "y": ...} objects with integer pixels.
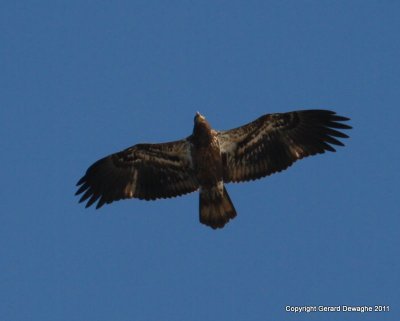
[{"x": 208, "y": 158}]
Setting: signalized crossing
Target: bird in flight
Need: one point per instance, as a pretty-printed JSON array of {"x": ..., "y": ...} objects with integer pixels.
[{"x": 208, "y": 158}]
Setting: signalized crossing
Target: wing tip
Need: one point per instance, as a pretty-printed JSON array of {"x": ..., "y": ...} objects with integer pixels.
[{"x": 81, "y": 181}]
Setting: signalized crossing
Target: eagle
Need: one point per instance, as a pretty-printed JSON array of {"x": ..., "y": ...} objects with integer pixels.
[{"x": 208, "y": 158}]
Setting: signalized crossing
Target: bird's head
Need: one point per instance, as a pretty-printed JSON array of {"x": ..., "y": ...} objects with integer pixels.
[
  {"x": 199, "y": 118},
  {"x": 201, "y": 125}
]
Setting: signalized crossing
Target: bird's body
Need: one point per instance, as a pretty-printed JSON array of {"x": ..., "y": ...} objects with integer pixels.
[
  {"x": 208, "y": 158},
  {"x": 215, "y": 206},
  {"x": 206, "y": 153}
]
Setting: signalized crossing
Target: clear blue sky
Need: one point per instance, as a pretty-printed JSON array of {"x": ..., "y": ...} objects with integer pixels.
[{"x": 82, "y": 79}]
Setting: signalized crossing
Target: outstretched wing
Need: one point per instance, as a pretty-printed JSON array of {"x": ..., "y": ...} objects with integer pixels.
[
  {"x": 273, "y": 142},
  {"x": 144, "y": 171}
]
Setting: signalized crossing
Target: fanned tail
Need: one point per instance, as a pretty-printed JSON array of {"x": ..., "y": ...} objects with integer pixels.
[{"x": 216, "y": 207}]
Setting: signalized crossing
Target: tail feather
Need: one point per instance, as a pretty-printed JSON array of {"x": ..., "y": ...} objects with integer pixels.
[{"x": 216, "y": 207}]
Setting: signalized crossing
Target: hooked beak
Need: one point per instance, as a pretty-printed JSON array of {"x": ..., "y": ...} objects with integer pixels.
[{"x": 198, "y": 115}]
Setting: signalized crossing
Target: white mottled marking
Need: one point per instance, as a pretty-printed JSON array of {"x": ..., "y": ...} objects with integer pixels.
[
  {"x": 220, "y": 186},
  {"x": 134, "y": 183}
]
